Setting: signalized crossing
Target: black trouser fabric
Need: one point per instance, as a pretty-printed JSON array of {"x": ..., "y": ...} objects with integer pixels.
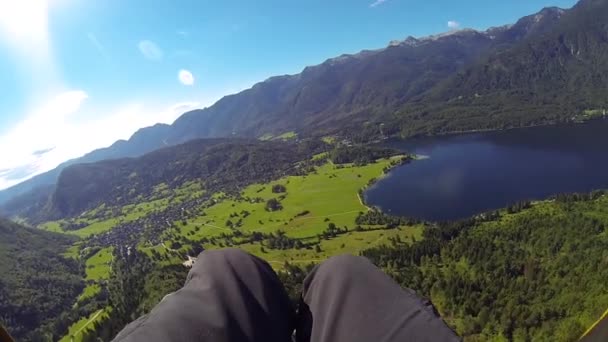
[{"x": 232, "y": 296}]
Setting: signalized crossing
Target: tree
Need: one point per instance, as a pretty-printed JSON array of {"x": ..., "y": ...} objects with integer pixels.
[
  {"x": 273, "y": 205},
  {"x": 279, "y": 188}
]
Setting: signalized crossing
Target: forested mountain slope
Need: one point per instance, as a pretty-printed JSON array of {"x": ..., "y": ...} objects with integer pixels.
[
  {"x": 556, "y": 76},
  {"x": 536, "y": 275},
  {"x": 38, "y": 285}
]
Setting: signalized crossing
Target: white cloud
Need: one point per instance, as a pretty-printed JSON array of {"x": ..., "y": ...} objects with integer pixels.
[
  {"x": 53, "y": 133},
  {"x": 453, "y": 25},
  {"x": 150, "y": 50},
  {"x": 185, "y": 77},
  {"x": 377, "y": 3}
]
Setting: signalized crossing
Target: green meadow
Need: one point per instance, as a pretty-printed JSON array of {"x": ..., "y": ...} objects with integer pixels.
[
  {"x": 310, "y": 202},
  {"x": 98, "y": 268},
  {"x": 99, "y": 265}
]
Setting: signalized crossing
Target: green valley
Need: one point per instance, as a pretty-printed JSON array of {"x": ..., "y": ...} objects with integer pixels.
[{"x": 468, "y": 165}]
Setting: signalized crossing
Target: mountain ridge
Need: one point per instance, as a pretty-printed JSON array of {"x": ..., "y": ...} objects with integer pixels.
[{"x": 349, "y": 95}]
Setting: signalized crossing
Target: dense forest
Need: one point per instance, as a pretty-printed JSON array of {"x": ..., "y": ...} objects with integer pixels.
[
  {"x": 135, "y": 287},
  {"x": 539, "y": 274},
  {"x": 38, "y": 286},
  {"x": 360, "y": 155}
]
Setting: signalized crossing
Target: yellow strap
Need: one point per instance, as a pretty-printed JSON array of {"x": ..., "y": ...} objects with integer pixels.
[{"x": 605, "y": 315}]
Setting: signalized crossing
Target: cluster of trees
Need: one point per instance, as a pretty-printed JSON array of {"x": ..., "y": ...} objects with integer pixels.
[
  {"x": 360, "y": 155},
  {"x": 73, "y": 225},
  {"x": 519, "y": 206},
  {"x": 378, "y": 218},
  {"x": 332, "y": 231},
  {"x": 273, "y": 204},
  {"x": 279, "y": 188},
  {"x": 282, "y": 241},
  {"x": 292, "y": 276},
  {"x": 579, "y": 197}
]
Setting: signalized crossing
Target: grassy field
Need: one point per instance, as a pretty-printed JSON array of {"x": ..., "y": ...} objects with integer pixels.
[
  {"x": 286, "y": 136},
  {"x": 89, "y": 292},
  {"x": 98, "y": 266},
  {"x": 309, "y": 204},
  {"x": 266, "y": 137},
  {"x": 75, "y": 331},
  {"x": 73, "y": 252}
]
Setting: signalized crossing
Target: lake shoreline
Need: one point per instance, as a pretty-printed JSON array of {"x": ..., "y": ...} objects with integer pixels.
[
  {"x": 474, "y": 174},
  {"x": 491, "y": 130}
]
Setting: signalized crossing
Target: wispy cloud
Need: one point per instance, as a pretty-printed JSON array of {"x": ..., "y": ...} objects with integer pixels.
[
  {"x": 150, "y": 50},
  {"x": 377, "y": 3},
  {"x": 58, "y": 123},
  {"x": 42, "y": 152},
  {"x": 185, "y": 77},
  {"x": 98, "y": 46},
  {"x": 183, "y": 33},
  {"x": 453, "y": 25}
]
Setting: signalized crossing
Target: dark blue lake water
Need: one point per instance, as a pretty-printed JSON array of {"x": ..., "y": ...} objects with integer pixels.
[{"x": 469, "y": 174}]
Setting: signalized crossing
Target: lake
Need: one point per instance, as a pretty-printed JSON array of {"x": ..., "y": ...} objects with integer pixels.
[{"x": 469, "y": 174}]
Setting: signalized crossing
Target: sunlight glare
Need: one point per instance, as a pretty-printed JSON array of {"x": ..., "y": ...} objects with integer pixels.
[{"x": 25, "y": 20}]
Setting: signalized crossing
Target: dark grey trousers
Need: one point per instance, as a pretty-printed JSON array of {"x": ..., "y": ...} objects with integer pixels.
[{"x": 233, "y": 296}]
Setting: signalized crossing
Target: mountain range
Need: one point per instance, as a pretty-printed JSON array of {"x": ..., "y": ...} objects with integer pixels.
[{"x": 547, "y": 67}]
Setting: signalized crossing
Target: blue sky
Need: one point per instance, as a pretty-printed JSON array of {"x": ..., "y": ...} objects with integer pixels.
[{"x": 78, "y": 75}]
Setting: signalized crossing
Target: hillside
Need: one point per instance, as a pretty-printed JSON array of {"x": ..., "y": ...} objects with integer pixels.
[
  {"x": 38, "y": 286},
  {"x": 556, "y": 76},
  {"x": 216, "y": 164},
  {"x": 536, "y": 275},
  {"x": 344, "y": 95}
]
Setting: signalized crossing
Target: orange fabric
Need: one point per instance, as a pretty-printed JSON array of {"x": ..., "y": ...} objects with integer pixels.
[{"x": 4, "y": 336}]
